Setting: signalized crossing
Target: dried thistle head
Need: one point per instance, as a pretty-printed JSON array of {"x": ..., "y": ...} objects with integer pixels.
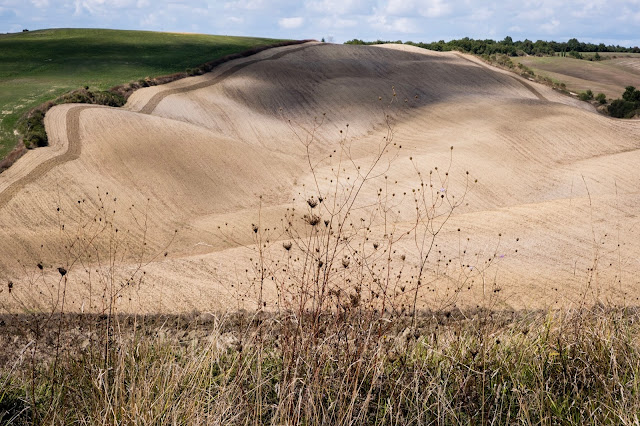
[
  {"x": 287, "y": 245},
  {"x": 312, "y": 202},
  {"x": 312, "y": 220}
]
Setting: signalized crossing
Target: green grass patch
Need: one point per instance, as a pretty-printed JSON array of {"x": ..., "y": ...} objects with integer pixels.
[{"x": 39, "y": 66}]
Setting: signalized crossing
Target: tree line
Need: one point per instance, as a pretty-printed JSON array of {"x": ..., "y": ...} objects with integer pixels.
[{"x": 510, "y": 47}]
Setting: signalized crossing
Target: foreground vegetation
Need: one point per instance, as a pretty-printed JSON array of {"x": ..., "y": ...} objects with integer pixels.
[
  {"x": 39, "y": 66},
  {"x": 573, "y": 367}
]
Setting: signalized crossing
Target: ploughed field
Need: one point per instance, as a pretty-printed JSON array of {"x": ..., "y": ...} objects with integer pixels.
[
  {"x": 190, "y": 194},
  {"x": 38, "y": 66},
  {"x": 609, "y": 76}
]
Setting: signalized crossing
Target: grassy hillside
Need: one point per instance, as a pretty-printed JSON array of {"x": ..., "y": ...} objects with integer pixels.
[
  {"x": 40, "y": 65},
  {"x": 609, "y": 76}
]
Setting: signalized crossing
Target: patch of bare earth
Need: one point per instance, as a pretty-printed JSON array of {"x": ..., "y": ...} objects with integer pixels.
[{"x": 552, "y": 220}]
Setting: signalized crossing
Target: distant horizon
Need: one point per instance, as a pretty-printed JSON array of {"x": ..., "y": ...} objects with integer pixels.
[
  {"x": 515, "y": 40},
  {"x": 590, "y": 21}
]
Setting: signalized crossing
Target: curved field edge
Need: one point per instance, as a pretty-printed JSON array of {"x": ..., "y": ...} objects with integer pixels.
[
  {"x": 69, "y": 138},
  {"x": 30, "y": 126},
  {"x": 41, "y": 65}
]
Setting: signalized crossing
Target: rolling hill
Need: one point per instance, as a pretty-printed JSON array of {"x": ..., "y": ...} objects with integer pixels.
[
  {"x": 233, "y": 156},
  {"x": 609, "y": 76},
  {"x": 38, "y": 66}
]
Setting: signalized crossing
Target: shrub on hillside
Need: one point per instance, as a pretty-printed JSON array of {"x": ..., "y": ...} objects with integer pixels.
[
  {"x": 602, "y": 98},
  {"x": 628, "y": 105},
  {"x": 503, "y": 60},
  {"x": 586, "y": 96}
]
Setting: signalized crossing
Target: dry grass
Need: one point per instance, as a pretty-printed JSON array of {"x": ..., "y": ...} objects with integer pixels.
[{"x": 578, "y": 367}]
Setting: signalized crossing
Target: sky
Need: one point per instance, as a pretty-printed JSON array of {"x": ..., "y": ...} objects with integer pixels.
[{"x": 607, "y": 21}]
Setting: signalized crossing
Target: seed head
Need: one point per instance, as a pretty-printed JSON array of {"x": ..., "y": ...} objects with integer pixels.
[{"x": 312, "y": 220}]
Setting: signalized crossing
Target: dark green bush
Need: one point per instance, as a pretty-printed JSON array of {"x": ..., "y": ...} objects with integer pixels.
[
  {"x": 631, "y": 94},
  {"x": 602, "y": 98},
  {"x": 586, "y": 96},
  {"x": 628, "y": 105}
]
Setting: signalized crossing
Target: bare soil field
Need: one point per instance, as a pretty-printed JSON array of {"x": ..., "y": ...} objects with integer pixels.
[
  {"x": 609, "y": 76},
  {"x": 175, "y": 202}
]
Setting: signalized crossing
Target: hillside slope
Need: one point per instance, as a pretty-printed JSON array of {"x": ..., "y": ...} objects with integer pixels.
[
  {"x": 552, "y": 220},
  {"x": 38, "y": 66}
]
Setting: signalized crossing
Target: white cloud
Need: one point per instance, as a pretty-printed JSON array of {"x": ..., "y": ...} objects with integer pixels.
[
  {"x": 481, "y": 14},
  {"x": 334, "y": 22},
  {"x": 149, "y": 21},
  {"x": 394, "y": 25},
  {"x": 425, "y": 8},
  {"x": 535, "y": 14},
  {"x": 246, "y": 4},
  {"x": 551, "y": 26},
  {"x": 291, "y": 23},
  {"x": 40, "y": 3},
  {"x": 339, "y": 7},
  {"x": 235, "y": 19}
]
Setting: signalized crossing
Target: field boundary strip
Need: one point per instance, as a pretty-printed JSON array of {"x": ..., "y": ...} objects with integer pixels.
[
  {"x": 518, "y": 79},
  {"x": 74, "y": 148}
]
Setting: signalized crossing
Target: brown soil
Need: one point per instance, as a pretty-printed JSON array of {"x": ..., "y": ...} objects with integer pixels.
[{"x": 557, "y": 182}]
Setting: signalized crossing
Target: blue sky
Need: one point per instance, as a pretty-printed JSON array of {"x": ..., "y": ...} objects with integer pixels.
[{"x": 608, "y": 21}]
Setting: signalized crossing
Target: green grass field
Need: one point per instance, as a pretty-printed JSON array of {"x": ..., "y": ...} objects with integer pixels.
[
  {"x": 609, "y": 76},
  {"x": 40, "y": 65}
]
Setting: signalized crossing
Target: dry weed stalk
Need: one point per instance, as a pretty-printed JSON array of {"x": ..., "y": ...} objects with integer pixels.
[{"x": 92, "y": 256}]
